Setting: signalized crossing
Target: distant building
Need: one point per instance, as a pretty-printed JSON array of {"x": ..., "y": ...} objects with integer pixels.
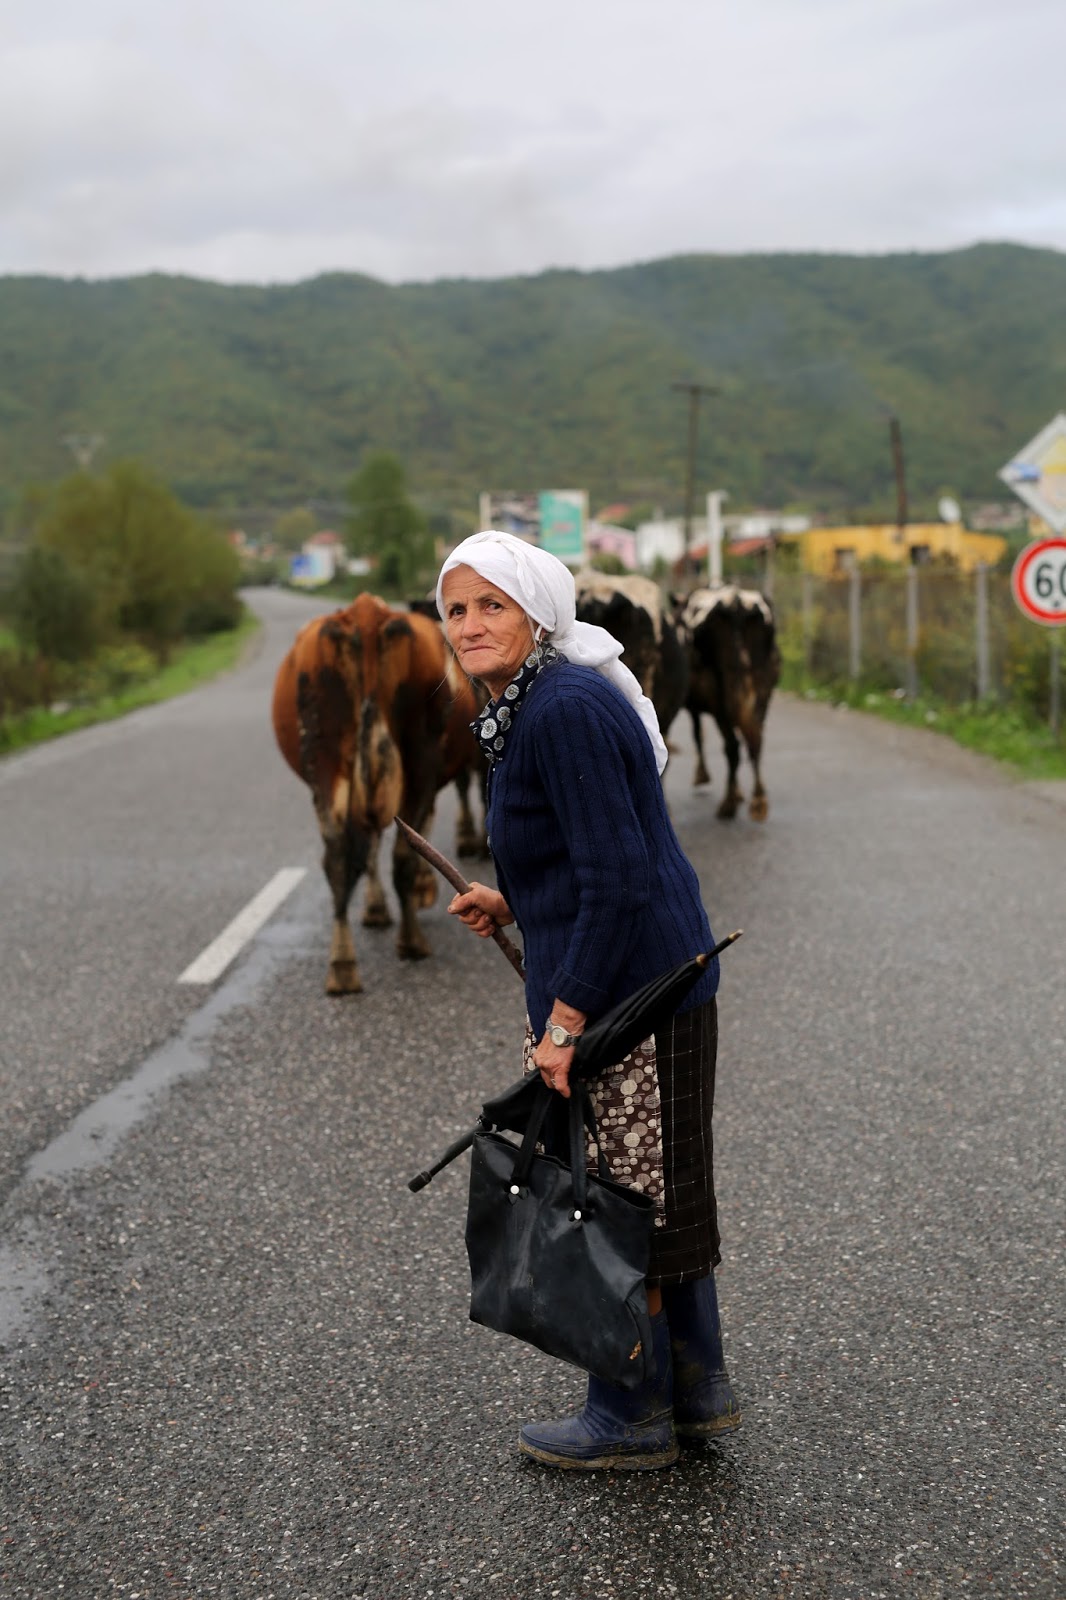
[
  {"x": 603, "y": 538},
  {"x": 320, "y": 558},
  {"x": 825, "y": 551},
  {"x": 998, "y": 516},
  {"x": 664, "y": 538}
]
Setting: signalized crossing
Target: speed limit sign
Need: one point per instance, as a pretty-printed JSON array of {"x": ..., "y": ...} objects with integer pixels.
[{"x": 1038, "y": 581}]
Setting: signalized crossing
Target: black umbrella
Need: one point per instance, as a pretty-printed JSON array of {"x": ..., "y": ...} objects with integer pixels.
[{"x": 606, "y": 1042}]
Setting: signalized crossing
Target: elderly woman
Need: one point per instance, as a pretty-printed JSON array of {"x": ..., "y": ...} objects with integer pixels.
[{"x": 589, "y": 866}]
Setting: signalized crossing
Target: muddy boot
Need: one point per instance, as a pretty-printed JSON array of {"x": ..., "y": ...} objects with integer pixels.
[
  {"x": 628, "y": 1429},
  {"x": 704, "y": 1402}
]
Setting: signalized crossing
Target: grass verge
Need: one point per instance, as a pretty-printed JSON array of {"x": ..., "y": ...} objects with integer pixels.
[
  {"x": 992, "y": 730},
  {"x": 190, "y": 665}
]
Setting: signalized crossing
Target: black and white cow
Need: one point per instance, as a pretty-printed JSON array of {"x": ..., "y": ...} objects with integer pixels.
[
  {"x": 653, "y": 645},
  {"x": 734, "y": 664}
]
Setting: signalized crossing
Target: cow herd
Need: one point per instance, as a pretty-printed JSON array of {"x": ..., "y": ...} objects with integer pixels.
[{"x": 372, "y": 712}]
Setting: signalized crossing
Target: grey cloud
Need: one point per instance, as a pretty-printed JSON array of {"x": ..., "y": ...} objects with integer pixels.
[{"x": 427, "y": 139}]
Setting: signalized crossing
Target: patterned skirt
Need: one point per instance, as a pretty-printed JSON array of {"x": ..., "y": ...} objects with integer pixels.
[{"x": 654, "y": 1112}]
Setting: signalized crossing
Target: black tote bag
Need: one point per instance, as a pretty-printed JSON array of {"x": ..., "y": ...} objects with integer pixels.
[{"x": 558, "y": 1255}]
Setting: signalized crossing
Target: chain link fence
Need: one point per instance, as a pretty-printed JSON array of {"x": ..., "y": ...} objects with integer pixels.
[{"x": 923, "y": 632}]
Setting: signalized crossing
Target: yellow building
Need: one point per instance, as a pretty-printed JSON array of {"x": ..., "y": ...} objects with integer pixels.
[{"x": 830, "y": 550}]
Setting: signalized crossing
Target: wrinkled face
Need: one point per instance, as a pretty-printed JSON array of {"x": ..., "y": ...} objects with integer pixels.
[{"x": 489, "y": 632}]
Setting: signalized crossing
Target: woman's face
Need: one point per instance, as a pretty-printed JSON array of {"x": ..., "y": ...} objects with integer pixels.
[{"x": 489, "y": 632}]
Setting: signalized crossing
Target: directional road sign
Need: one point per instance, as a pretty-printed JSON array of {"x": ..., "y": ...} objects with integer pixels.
[
  {"x": 1038, "y": 474},
  {"x": 1038, "y": 581}
]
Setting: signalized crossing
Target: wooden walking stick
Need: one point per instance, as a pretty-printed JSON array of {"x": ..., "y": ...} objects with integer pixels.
[{"x": 453, "y": 876}]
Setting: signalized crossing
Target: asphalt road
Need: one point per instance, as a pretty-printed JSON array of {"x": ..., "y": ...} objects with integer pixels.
[{"x": 234, "y": 1352}]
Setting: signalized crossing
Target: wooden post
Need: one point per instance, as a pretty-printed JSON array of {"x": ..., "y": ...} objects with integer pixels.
[
  {"x": 694, "y": 391},
  {"x": 854, "y": 623}
]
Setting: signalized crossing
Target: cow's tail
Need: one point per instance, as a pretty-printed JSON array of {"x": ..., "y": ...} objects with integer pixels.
[{"x": 377, "y": 771}]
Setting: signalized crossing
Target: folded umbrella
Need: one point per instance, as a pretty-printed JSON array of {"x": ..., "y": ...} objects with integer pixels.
[{"x": 606, "y": 1042}]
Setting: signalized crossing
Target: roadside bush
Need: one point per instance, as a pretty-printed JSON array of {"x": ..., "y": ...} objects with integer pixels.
[
  {"x": 150, "y": 565},
  {"x": 25, "y": 681},
  {"x": 51, "y": 606}
]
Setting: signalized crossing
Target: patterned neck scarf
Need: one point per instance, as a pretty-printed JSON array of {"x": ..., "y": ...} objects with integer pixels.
[{"x": 496, "y": 721}]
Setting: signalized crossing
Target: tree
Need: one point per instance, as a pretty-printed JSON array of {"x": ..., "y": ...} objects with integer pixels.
[
  {"x": 146, "y": 561},
  {"x": 293, "y": 528},
  {"x": 51, "y": 606},
  {"x": 386, "y": 525}
]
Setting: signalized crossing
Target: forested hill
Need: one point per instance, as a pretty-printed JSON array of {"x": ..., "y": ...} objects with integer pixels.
[{"x": 246, "y": 394}]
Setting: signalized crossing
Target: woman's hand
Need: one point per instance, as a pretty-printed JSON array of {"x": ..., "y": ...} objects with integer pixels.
[
  {"x": 482, "y": 909},
  {"x": 553, "y": 1061}
]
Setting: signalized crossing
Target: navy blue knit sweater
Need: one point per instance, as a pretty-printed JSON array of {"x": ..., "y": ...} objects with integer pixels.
[{"x": 586, "y": 855}]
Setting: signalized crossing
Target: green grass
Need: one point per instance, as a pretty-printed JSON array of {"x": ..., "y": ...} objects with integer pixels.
[
  {"x": 992, "y": 730},
  {"x": 191, "y": 664}
]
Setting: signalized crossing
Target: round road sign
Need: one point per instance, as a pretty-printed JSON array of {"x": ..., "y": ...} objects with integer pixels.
[{"x": 1038, "y": 581}]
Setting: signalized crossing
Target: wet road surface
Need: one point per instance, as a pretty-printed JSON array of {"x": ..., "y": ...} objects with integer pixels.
[{"x": 234, "y": 1352}]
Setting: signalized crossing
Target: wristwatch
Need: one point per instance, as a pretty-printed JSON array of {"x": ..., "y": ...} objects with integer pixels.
[{"x": 559, "y": 1036}]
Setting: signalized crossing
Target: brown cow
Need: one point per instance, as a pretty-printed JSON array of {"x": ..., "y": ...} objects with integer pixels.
[{"x": 372, "y": 712}]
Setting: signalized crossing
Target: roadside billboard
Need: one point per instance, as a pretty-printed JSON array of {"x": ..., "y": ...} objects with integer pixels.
[
  {"x": 556, "y": 519},
  {"x": 563, "y": 516}
]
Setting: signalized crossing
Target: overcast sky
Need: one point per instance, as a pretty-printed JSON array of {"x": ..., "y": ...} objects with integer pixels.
[{"x": 416, "y": 139}]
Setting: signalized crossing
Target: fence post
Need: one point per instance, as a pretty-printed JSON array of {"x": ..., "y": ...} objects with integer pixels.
[
  {"x": 768, "y": 571},
  {"x": 912, "y": 632},
  {"x": 807, "y": 603},
  {"x": 984, "y": 673},
  {"x": 854, "y": 622}
]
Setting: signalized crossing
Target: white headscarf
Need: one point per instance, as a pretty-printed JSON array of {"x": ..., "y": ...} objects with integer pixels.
[{"x": 544, "y": 588}]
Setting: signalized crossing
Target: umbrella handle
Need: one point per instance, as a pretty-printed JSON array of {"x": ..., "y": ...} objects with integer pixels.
[{"x": 449, "y": 1155}]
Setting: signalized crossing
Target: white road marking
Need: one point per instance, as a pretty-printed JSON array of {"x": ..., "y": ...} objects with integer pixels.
[{"x": 212, "y": 962}]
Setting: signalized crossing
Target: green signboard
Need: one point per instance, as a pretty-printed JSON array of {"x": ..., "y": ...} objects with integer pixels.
[{"x": 562, "y": 523}]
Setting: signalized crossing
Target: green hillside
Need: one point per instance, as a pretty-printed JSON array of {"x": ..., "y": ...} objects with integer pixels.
[{"x": 272, "y": 395}]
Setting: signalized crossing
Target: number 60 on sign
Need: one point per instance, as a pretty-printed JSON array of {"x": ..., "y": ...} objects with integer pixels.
[{"x": 1038, "y": 581}]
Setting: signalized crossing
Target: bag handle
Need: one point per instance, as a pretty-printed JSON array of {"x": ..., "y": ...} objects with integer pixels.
[
  {"x": 581, "y": 1117},
  {"x": 528, "y": 1147},
  {"x": 579, "y": 1107}
]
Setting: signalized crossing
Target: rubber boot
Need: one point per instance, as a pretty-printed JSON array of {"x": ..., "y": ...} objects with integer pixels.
[
  {"x": 704, "y": 1402},
  {"x": 630, "y": 1429}
]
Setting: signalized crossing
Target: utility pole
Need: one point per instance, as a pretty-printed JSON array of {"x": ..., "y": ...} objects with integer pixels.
[
  {"x": 902, "y": 512},
  {"x": 694, "y": 392}
]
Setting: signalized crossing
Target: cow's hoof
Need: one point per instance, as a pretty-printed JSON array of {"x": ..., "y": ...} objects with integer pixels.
[
  {"x": 344, "y": 979},
  {"x": 377, "y": 916},
  {"x": 408, "y": 951},
  {"x": 468, "y": 845},
  {"x": 759, "y": 809},
  {"x": 727, "y": 810},
  {"x": 701, "y": 779}
]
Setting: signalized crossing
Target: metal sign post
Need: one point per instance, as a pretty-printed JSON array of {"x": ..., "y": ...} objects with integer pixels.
[
  {"x": 1038, "y": 581},
  {"x": 1038, "y": 584}
]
